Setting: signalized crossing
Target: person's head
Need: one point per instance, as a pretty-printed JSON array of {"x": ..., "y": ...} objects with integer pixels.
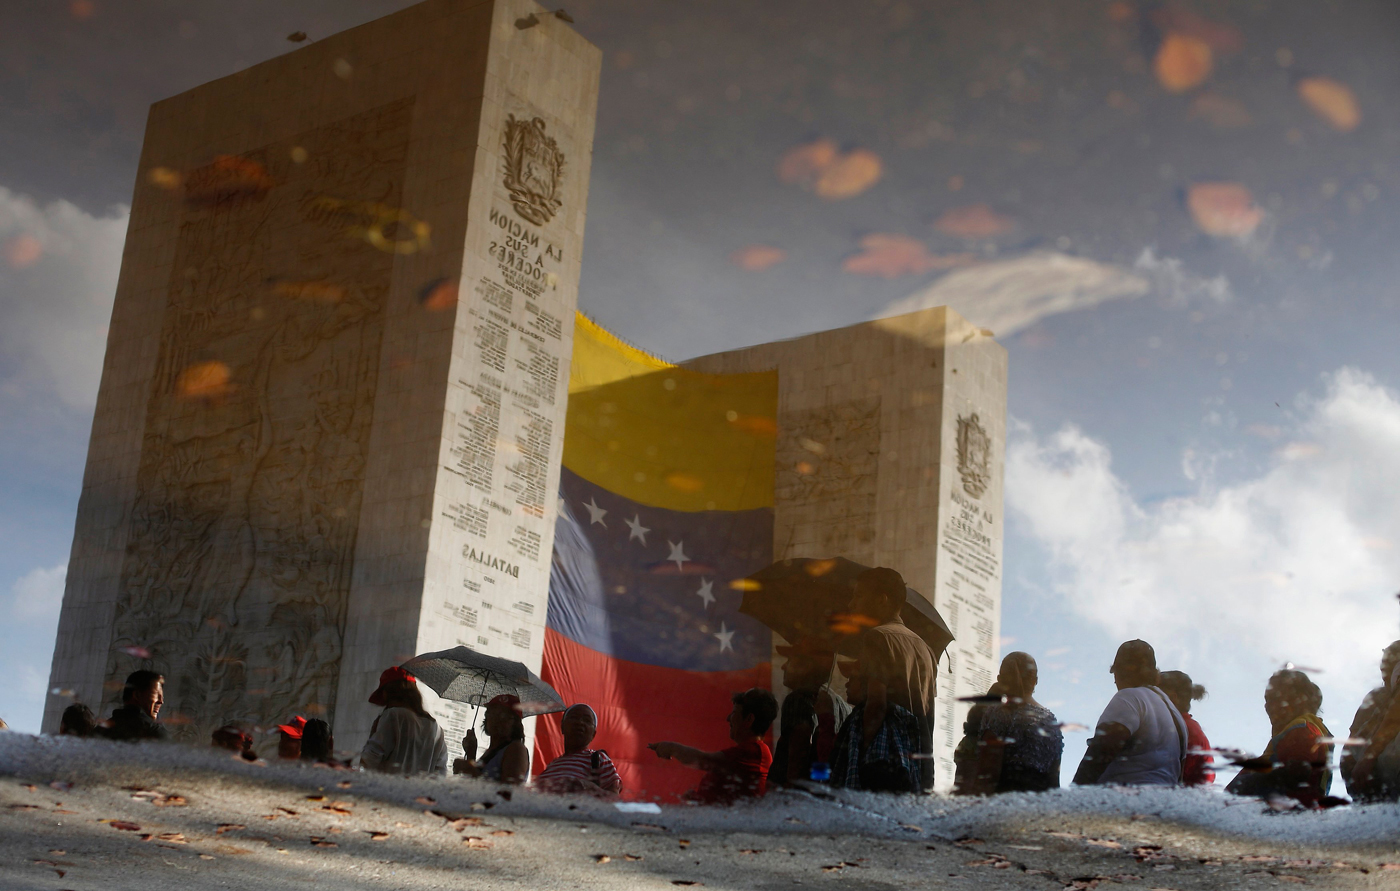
[
  {"x": 1018, "y": 676},
  {"x": 808, "y": 663},
  {"x": 399, "y": 689},
  {"x": 1290, "y": 694},
  {"x": 855, "y": 685},
  {"x": 1135, "y": 665},
  {"x": 77, "y": 720},
  {"x": 233, "y": 738},
  {"x": 146, "y": 691},
  {"x": 880, "y": 594},
  {"x": 289, "y": 738},
  {"x": 316, "y": 741},
  {"x": 1180, "y": 689},
  {"x": 1390, "y": 661},
  {"x": 578, "y": 727},
  {"x": 753, "y": 713},
  {"x": 503, "y": 720}
]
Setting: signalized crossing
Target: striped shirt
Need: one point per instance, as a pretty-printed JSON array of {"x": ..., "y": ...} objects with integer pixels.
[{"x": 563, "y": 773}]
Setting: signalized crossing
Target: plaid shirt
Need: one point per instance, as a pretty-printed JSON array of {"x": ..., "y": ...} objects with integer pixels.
[{"x": 887, "y": 763}]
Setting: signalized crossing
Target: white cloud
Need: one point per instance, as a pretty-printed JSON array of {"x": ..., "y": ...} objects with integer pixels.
[
  {"x": 38, "y": 594},
  {"x": 1010, "y": 295},
  {"x": 1299, "y": 563},
  {"x": 58, "y": 275}
]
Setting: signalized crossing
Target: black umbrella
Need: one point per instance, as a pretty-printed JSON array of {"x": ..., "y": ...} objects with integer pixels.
[
  {"x": 464, "y": 675},
  {"x": 797, "y": 598}
]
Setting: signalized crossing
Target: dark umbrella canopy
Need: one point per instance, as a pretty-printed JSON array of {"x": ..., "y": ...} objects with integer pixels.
[
  {"x": 464, "y": 675},
  {"x": 797, "y": 598}
]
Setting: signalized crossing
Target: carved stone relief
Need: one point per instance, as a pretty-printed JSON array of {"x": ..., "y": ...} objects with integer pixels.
[
  {"x": 241, "y": 542},
  {"x": 827, "y": 469}
]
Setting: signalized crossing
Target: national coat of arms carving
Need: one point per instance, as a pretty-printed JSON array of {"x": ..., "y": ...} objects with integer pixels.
[
  {"x": 974, "y": 455},
  {"x": 534, "y": 169}
]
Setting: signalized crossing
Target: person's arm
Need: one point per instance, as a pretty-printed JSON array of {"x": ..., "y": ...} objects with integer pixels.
[
  {"x": 691, "y": 757},
  {"x": 515, "y": 763},
  {"x": 381, "y": 743},
  {"x": 1108, "y": 743}
]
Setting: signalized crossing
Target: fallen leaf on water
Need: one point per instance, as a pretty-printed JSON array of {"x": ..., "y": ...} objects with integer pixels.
[
  {"x": 165, "y": 178},
  {"x": 338, "y": 807},
  {"x": 890, "y": 256},
  {"x": 852, "y": 174},
  {"x": 835, "y": 867},
  {"x": 206, "y": 856},
  {"x": 483, "y": 805},
  {"x": 1220, "y": 111},
  {"x": 1225, "y": 210},
  {"x": 684, "y": 882},
  {"x": 59, "y": 810},
  {"x": 315, "y": 798},
  {"x": 1390, "y": 866},
  {"x": 226, "y": 178},
  {"x": 320, "y": 842},
  {"x": 757, "y": 257},
  {"x": 476, "y": 841},
  {"x": 206, "y": 381},
  {"x": 344, "y": 784},
  {"x": 649, "y": 826},
  {"x": 751, "y": 851},
  {"x": 803, "y": 164},
  {"x": 123, "y": 825},
  {"x": 974, "y": 221},
  {"x": 29, "y": 787},
  {"x": 60, "y": 786},
  {"x": 1102, "y": 843},
  {"x": 601, "y": 858},
  {"x": 632, "y": 857},
  {"x": 174, "y": 838},
  {"x": 504, "y": 832},
  {"x": 685, "y": 842},
  {"x": 423, "y": 799},
  {"x": 1183, "y": 62},
  {"x": 228, "y": 827},
  {"x": 438, "y": 295},
  {"x": 375, "y": 835},
  {"x": 287, "y": 810},
  {"x": 1331, "y": 100},
  {"x": 297, "y": 36},
  {"x": 169, "y": 801}
]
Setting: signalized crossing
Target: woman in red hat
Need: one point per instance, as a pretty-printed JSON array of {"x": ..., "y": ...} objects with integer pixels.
[
  {"x": 405, "y": 739},
  {"x": 506, "y": 759}
]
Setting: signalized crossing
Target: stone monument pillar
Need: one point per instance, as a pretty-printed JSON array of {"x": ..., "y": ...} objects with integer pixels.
[
  {"x": 332, "y": 408},
  {"x": 891, "y": 440}
]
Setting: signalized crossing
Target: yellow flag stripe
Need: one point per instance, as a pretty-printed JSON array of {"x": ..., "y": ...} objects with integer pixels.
[{"x": 665, "y": 436}]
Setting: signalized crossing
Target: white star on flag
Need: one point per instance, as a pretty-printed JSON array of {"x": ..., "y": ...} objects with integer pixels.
[
  {"x": 706, "y": 592},
  {"x": 595, "y": 513},
  {"x": 638, "y": 530},
  {"x": 678, "y": 554},
  {"x": 725, "y": 636}
]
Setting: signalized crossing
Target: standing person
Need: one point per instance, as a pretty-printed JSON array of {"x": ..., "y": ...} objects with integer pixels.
[
  {"x": 1371, "y": 711},
  {"x": 77, "y": 720},
  {"x": 740, "y": 771},
  {"x": 879, "y": 762},
  {"x": 142, "y": 698},
  {"x": 317, "y": 743},
  {"x": 506, "y": 760},
  {"x": 811, "y": 712},
  {"x": 1140, "y": 739},
  {"x": 967, "y": 757},
  {"x": 404, "y": 739},
  {"x": 1196, "y": 769},
  {"x": 580, "y": 769},
  {"x": 1375, "y": 775},
  {"x": 896, "y": 664},
  {"x": 1020, "y": 736},
  {"x": 1298, "y": 758}
]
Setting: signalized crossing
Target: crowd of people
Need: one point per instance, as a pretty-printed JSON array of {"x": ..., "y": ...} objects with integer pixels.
[{"x": 876, "y": 734}]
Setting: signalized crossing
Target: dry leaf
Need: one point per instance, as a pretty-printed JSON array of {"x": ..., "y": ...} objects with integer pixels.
[
  {"x": 228, "y": 827},
  {"x": 751, "y": 851},
  {"x": 123, "y": 825},
  {"x": 890, "y": 256},
  {"x": 320, "y": 842},
  {"x": 375, "y": 835},
  {"x": 423, "y": 799},
  {"x": 687, "y": 882},
  {"x": 24, "y": 807},
  {"x": 849, "y": 176},
  {"x": 60, "y": 786},
  {"x": 344, "y": 784},
  {"x": 804, "y": 164},
  {"x": 685, "y": 842},
  {"x": 338, "y": 807},
  {"x": 835, "y": 867},
  {"x": 1331, "y": 100},
  {"x": 1183, "y": 62},
  {"x": 476, "y": 841},
  {"x": 757, "y": 257},
  {"x": 1220, "y": 111},
  {"x": 206, "y": 856},
  {"x": 165, "y": 178},
  {"x": 297, "y": 36},
  {"x": 601, "y": 858},
  {"x": 169, "y": 801},
  {"x": 1102, "y": 843},
  {"x": 1225, "y": 210},
  {"x": 974, "y": 221},
  {"x": 504, "y": 832},
  {"x": 315, "y": 798},
  {"x": 206, "y": 381},
  {"x": 632, "y": 857}
]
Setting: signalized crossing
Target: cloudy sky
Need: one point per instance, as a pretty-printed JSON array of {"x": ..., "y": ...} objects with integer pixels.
[{"x": 1179, "y": 219}]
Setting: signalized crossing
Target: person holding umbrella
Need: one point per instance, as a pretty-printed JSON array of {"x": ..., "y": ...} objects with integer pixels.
[
  {"x": 404, "y": 738},
  {"x": 506, "y": 760}
]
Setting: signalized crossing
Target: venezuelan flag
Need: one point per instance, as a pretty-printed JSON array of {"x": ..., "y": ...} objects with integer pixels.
[{"x": 666, "y": 497}]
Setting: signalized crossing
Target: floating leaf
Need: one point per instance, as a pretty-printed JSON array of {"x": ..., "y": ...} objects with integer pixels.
[
  {"x": 1183, "y": 62},
  {"x": 851, "y": 175},
  {"x": 209, "y": 382},
  {"x": 423, "y": 799},
  {"x": 123, "y": 825},
  {"x": 632, "y": 857},
  {"x": 503, "y": 832},
  {"x": 376, "y": 835},
  {"x": 601, "y": 858},
  {"x": 476, "y": 841},
  {"x": 228, "y": 827},
  {"x": 438, "y": 295},
  {"x": 757, "y": 257},
  {"x": 1331, "y": 100},
  {"x": 169, "y": 801},
  {"x": 1225, "y": 210},
  {"x": 890, "y": 256},
  {"x": 320, "y": 842},
  {"x": 165, "y": 178},
  {"x": 973, "y": 222}
]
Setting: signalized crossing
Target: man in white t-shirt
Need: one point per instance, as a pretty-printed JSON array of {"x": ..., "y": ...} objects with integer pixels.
[{"x": 1140, "y": 739}]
